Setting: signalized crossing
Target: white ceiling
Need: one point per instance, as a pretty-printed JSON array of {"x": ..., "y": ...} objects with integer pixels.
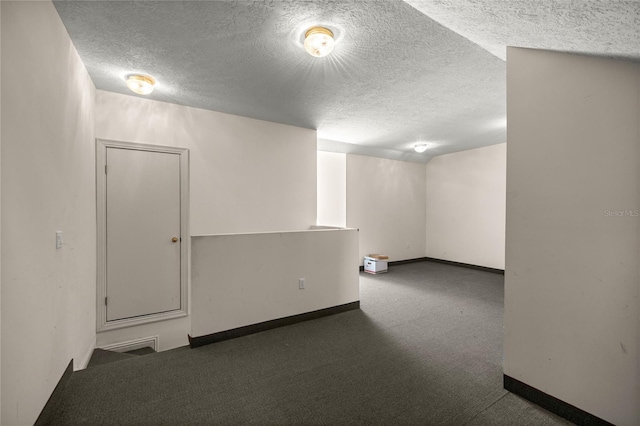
[
  {"x": 608, "y": 28},
  {"x": 430, "y": 70}
]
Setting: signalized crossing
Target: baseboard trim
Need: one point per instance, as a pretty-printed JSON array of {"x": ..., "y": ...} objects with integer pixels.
[
  {"x": 84, "y": 361},
  {"x": 466, "y": 265},
  {"x": 406, "y": 261},
  {"x": 447, "y": 262},
  {"x": 195, "y": 342},
  {"x": 48, "y": 413},
  {"x": 552, "y": 404}
]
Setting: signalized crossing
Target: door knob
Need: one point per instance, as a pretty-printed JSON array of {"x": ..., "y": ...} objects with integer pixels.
[{"x": 174, "y": 240}]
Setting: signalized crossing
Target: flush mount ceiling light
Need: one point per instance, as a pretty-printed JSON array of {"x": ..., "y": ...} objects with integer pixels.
[
  {"x": 318, "y": 41},
  {"x": 140, "y": 84},
  {"x": 421, "y": 146}
]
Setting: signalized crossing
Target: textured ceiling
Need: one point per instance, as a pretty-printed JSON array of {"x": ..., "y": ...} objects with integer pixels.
[
  {"x": 608, "y": 28},
  {"x": 395, "y": 76}
]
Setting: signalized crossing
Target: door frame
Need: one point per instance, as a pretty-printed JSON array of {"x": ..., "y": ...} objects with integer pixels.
[{"x": 101, "y": 212}]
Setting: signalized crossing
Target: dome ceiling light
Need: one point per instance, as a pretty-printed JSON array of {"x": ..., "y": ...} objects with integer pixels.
[
  {"x": 421, "y": 147},
  {"x": 140, "y": 84},
  {"x": 318, "y": 41}
]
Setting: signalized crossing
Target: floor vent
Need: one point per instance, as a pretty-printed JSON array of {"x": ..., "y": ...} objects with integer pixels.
[{"x": 131, "y": 345}]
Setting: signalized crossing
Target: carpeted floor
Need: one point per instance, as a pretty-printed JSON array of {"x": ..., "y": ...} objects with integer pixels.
[
  {"x": 425, "y": 349},
  {"x": 101, "y": 356}
]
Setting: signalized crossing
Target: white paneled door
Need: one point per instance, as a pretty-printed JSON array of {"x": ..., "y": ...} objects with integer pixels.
[{"x": 142, "y": 233}]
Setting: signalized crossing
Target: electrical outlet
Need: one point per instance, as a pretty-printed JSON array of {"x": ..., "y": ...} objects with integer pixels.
[
  {"x": 408, "y": 245},
  {"x": 58, "y": 239},
  {"x": 301, "y": 283}
]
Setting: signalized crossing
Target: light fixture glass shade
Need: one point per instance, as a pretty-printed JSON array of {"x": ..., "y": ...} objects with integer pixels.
[
  {"x": 421, "y": 146},
  {"x": 140, "y": 84},
  {"x": 318, "y": 42}
]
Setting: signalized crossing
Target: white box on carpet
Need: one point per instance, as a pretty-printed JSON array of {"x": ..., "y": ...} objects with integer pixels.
[{"x": 376, "y": 265}]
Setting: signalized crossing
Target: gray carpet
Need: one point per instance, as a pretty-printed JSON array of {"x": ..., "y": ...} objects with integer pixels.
[
  {"x": 141, "y": 351},
  {"x": 425, "y": 349},
  {"x": 101, "y": 357}
]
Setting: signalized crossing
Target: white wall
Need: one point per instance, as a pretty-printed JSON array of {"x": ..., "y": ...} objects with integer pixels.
[
  {"x": 386, "y": 201},
  {"x": 572, "y": 279},
  {"x": 466, "y": 206},
  {"x": 332, "y": 189},
  {"x": 246, "y": 279},
  {"x": 245, "y": 176},
  {"x": 48, "y": 184}
]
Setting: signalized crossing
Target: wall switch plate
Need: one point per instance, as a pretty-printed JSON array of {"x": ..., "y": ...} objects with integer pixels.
[
  {"x": 301, "y": 283},
  {"x": 58, "y": 239}
]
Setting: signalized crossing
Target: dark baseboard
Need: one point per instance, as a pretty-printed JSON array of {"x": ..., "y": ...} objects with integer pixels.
[
  {"x": 194, "y": 342},
  {"x": 466, "y": 265},
  {"x": 447, "y": 262},
  {"x": 406, "y": 261},
  {"x": 552, "y": 404},
  {"x": 400, "y": 262},
  {"x": 48, "y": 413}
]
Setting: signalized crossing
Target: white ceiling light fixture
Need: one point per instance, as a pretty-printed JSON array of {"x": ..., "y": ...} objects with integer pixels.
[
  {"x": 318, "y": 41},
  {"x": 421, "y": 147},
  {"x": 140, "y": 83}
]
